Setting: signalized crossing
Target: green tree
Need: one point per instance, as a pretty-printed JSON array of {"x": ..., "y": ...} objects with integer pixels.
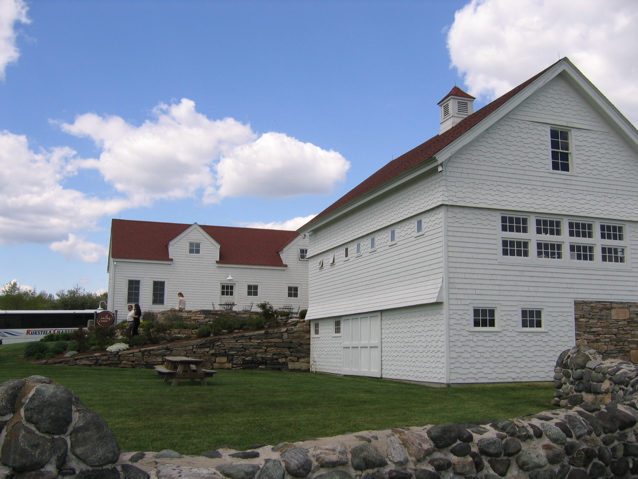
[
  {"x": 78, "y": 298},
  {"x": 13, "y": 297}
]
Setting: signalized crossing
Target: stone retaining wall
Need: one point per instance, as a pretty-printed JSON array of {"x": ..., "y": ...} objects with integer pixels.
[
  {"x": 282, "y": 348},
  {"x": 609, "y": 328}
]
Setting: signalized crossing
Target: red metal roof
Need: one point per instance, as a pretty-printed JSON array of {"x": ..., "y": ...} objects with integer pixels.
[
  {"x": 147, "y": 240},
  {"x": 424, "y": 151}
]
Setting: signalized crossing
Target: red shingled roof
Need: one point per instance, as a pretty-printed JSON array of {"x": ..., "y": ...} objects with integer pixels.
[
  {"x": 147, "y": 240},
  {"x": 424, "y": 151},
  {"x": 456, "y": 91}
]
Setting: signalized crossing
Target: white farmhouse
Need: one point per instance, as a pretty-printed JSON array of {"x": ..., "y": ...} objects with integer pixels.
[
  {"x": 460, "y": 261},
  {"x": 150, "y": 262}
]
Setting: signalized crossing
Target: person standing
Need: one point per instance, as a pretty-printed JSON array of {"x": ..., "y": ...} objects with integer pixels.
[
  {"x": 181, "y": 302},
  {"x": 137, "y": 315},
  {"x": 129, "y": 320}
]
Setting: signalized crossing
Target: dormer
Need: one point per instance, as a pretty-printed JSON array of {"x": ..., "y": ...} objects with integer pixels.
[{"x": 455, "y": 106}]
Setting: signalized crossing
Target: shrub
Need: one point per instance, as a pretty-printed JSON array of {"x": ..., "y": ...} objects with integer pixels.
[
  {"x": 204, "y": 331},
  {"x": 102, "y": 336},
  {"x": 53, "y": 337},
  {"x": 58, "y": 348},
  {"x": 302, "y": 313},
  {"x": 80, "y": 337},
  {"x": 256, "y": 322},
  {"x": 139, "y": 340},
  {"x": 73, "y": 346},
  {"x": 36, "y": 348}
]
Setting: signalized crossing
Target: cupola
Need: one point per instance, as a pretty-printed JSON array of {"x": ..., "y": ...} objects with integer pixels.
[{"x": 455, "y": 106}]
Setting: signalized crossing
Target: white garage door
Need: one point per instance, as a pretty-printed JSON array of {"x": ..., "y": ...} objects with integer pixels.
[{"x": 362, "y": 345}]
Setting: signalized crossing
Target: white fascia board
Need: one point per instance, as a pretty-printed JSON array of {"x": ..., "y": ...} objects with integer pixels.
[
  {"x": 248, "y": 266},
  {"x": 386, "y": 187},
  {"x": 147, "y": 261},
  {"x": 191, "y": 228}
]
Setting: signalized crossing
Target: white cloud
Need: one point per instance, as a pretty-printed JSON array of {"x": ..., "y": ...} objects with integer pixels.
[
  {"x": 78, "y": 248},
  {"x": 291, "y": 225},
  {"x": 497, "y": 44},
  {"x": 11, "y": 12},
  {"x": 278, "y": 166},
  {"x": 181, "y": 153},
  {"x": 34, "y": 206}
]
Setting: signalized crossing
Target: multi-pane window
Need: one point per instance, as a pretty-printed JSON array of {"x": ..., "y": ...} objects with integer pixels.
[
  {"x": 484, "y": 318},
  {"x": 560, "y": 149},
  {"x": 316, "y": 328},
  {"x": 158, "y": 292},
  {"x": 611, "y": 232},
  {"x": 373, "y": 243},
  {"x": 253, "y": 290},
  {"x": 548, "y": 227},
  {"x": 580, "y": 229},
  {"x": 133, "y": 291},
  {"x": 612, "y": 254},
  {"x": 228, "y": 290},
  {"x": 532, "y": 318},
  {"x": 194, "y": 248},
  {"x": 549, "y": 250},
  {"x": 515, "y": 248},
  {"x": 337, "y": 326},
  {"x": 393, "y": 236},
  {"x": 303, "y": 253},
  {"x": 514, "y": 224},
  {"x": 293, "y": 291},
  {"x": 581, "y": 252},
  {"x": 419, "y": 226}
]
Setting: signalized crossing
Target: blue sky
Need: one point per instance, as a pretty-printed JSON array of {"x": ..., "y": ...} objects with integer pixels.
[{"x": 247, "y": 113}]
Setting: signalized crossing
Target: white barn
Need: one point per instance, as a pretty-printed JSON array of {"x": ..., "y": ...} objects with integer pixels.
[
  {"x": 150, "y": 262},
  {"x": 460, "y": 261}
]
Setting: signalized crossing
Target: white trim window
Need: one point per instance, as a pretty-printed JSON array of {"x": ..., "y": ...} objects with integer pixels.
[
  {"x": 484, "y": 318},
  {"x": 337, "y": 327},
  {"x": 345, "y": 252},
  {"x": 194, "y": 247},
  {"x": 548, "y": 227},
  {"x": 393, "y": 236},
  {"x": 517, "y": 248},
  {"x": 548, "y": 250},
  {"x": 227, "y": 290},
  {"x": 316, "y": 329},
  {"x": 358, "y": 248},
  {"x": 373, "y": 243},
  {"x": 293, "y": 291},
  {"x": 158, "y": 292},
  {"x": 419, "y": 226},
  {"x": 612, "y": 232},
  {"x": 581, "y": 229},
  {"x": 133, "y": 291},
  {"x": 252, "y": 290},
  {"x": 560, "y": 149},
  {"x": 612, "y": 254},
  {"x": 581, "y": 252},
  {"x": 531, "y": 318},
  {"x": 514, "y": 224},
  {"x": 303, "y": 253}
]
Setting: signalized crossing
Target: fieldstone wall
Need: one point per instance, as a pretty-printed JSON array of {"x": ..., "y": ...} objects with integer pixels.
[
  {"x": 46, "y": 433},
  {"x": 282, "y": 348},
  {"x": 609, "y": 328}
]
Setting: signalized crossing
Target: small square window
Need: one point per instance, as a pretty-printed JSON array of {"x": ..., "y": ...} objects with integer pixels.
[
  {"x": 548, "y": 227},
  {"x": 194, "y": 248},
  {"x": 337, "y": 326},
  {"x": 549, "y": 250},
  {"x": 581, "y": 252},
  {"x": 579, "y": 229},
  {"x": 612, "y": 254},
  {"x": 514, "y": 224},
  {"x": 611, "y": 232},
  {"x": 419, "y": 226},
  {"x": 228, "y": 290},
  {"x": 531, "y": 318},
  {"x": 293, "y": 291},
  {"x": 252, "y": 290},
  {"x": 303, "y": 253},
  {"x": 484, "y": 318},
  {"x": 518, "y": 248}
]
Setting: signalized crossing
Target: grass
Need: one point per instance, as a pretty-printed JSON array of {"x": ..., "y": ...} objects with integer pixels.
[{"x": 247, "y": 407}]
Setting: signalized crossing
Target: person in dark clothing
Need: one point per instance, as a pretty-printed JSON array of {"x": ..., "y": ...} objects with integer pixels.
[{"x": 137, "y": 315}]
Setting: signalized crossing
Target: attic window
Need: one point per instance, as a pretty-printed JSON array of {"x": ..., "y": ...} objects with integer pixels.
[
  {"x": 446, "y": 110},
  {"x": 463, "y": 107},
  {"x": 193, "y": 248}
]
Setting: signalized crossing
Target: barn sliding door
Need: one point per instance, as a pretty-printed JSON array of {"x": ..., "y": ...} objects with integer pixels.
[{"x": 362, "y": 345}]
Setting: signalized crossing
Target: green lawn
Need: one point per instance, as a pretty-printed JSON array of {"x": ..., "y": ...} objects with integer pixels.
[{"x": 246, "y": 408}]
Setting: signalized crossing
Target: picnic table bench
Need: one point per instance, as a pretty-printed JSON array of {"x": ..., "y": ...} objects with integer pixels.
[{"x": 181, "y": 367}]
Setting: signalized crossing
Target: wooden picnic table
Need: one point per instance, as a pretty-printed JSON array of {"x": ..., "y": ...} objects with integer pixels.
[{"x": 182, "y": 367}]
